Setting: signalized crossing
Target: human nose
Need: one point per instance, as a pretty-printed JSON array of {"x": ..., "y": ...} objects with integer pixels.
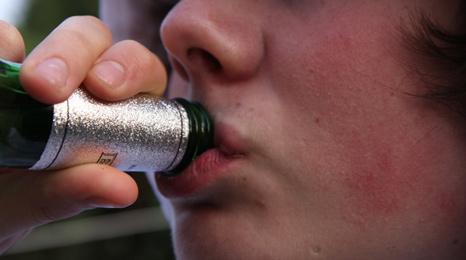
[{"x": 205, "y": 40}]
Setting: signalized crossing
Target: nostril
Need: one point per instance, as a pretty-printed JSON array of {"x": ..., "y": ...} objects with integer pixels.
[
  {"x": 180, "y": 69},
  {"x": 206, "y": 60}
]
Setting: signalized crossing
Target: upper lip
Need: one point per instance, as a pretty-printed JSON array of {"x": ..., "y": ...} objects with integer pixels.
[{"x": 228, "y": 141}]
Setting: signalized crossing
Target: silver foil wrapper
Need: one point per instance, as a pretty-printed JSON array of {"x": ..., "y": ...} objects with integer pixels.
[{"x": 145, "y": 133}]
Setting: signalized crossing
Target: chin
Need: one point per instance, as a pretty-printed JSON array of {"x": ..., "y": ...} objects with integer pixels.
[{"x": 209, "y": 232}]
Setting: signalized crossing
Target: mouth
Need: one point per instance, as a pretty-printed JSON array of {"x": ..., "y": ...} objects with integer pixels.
[{"x": 208, "y": 168}]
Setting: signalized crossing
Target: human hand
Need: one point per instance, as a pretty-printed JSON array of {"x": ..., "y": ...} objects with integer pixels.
[{"x": 79, "y": 51}]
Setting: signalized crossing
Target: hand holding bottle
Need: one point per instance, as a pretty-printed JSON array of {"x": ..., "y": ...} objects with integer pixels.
[{"x": 79, "y": 50}]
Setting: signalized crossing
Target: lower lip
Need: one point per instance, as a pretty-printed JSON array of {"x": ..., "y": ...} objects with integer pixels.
[{"x": 208, "y": 167}]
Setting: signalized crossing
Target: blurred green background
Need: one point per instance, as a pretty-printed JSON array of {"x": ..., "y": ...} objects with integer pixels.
[{"x": 138, "y": 232}]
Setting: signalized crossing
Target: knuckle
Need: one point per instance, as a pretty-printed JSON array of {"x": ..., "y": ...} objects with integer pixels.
[
  {"x": 11, "y": 39},
  {"x": 87, "y": 20},
  {"x": 145, "y": 58},
  {"x": 95, "y": 31},
  {"x": 4, "y": 25},
  {"x": 130, "y": 44},
  {"x": 131, "y": 47},
  {"x": 144, "y": 69},
  {"x": 147, "y": 62},
  {"x": 141, "y": 57},
  {"x": 141, "y": 67},
  {"x": 77, "y": 38}
]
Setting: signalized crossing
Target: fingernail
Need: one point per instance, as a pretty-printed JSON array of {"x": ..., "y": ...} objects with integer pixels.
[
  {"x": 111, "y": 73},
  {"x": 99, "y": 203},
  {"x": 53, "y": 70},
  {"x": 105, "y": 206}
]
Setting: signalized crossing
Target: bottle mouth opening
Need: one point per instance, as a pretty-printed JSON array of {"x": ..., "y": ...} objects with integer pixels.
[{"x": 200, "y": 138}]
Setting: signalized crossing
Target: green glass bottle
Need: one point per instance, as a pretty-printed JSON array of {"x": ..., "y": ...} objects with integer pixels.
[
  {"x": 144, "y": 133},
  {"x": 25, "y": 124}
]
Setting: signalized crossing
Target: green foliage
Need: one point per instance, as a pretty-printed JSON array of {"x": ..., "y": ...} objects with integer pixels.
[{"x": 43, "y": 16}]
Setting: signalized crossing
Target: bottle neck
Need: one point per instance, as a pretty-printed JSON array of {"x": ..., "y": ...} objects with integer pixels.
[{"x": 201, "y": 134}]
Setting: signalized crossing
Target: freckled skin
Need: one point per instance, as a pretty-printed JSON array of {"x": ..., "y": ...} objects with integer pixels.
[{"x": 342, "y": 162}]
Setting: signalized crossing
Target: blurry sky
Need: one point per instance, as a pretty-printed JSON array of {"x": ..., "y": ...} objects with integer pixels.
[{"x": 12, "y": 10}]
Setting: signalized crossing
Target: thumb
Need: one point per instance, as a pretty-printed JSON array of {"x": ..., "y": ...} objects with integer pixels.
[{"x": 30, "y": 199}]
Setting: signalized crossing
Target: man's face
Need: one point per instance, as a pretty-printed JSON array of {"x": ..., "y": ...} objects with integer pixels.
[{"x": 325, "y": 150}]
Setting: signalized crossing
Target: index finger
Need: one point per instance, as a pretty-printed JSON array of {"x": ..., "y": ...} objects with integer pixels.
[
  {"x": 60, "y": 63},
  {"x": 11, "y": 42}
]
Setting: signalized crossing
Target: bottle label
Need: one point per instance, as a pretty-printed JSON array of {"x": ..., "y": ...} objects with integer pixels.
[{"x": 144, "y": 134}]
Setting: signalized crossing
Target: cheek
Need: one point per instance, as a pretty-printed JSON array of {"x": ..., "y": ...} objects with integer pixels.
[
  {"x": 390, "y": 156},
  {"x": 376, "y": 180},
  {"x": 412, "y": 174},
  {"x": 374, "y": 185},
  {"x": 377, "y": 156}
]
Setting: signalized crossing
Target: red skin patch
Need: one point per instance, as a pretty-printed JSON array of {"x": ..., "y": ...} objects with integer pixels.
[
  {"x": 379, "y": 185},
  {"x": 388, "y": 181}
]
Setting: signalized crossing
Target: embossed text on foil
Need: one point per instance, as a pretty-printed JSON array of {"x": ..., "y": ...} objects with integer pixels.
[{"x": 107, "y": 158}]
